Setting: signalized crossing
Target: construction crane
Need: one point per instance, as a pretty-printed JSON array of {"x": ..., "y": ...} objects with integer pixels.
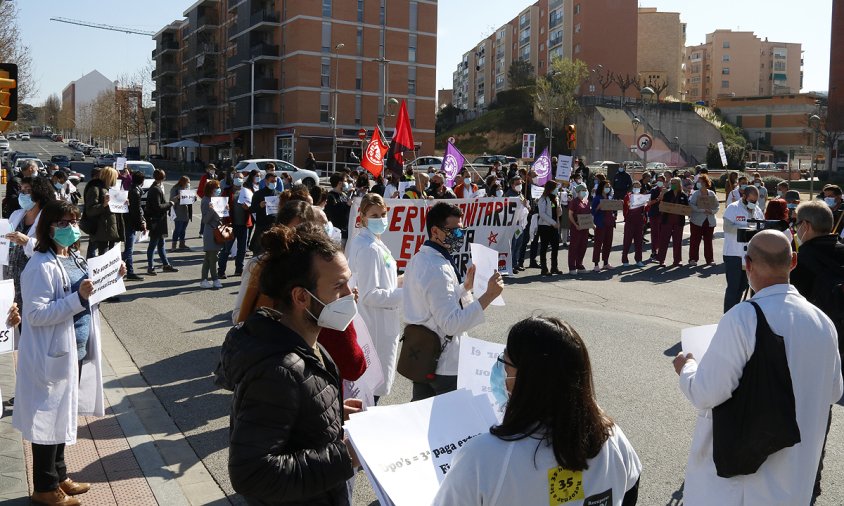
[{"x": 104, "y": 27}]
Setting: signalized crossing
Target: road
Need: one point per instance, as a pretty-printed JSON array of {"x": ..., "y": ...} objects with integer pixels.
[{"x": 629, "y": 318}]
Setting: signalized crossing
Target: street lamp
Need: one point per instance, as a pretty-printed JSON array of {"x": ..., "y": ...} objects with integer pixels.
[
  {"x": 384, "y": 65},
  {"x": 252, "y": 113},
  {"x": 334, "y": 118},
  {"x": 815, "y": 123},
  {"x": 636, "y": 122},
  {"x": 677, "y": 144}
]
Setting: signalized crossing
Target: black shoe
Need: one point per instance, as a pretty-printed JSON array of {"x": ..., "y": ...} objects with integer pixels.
[
  {"x": 238, "y": 272},
  {"x": 11, "y": 401},
  {"x": 133, "y": 277},
  {"x": 151, "y": 272},
  {"x": 544, "y": 273},
  {"x": 533, "y": 265},
  {"x": 113, "y": 299},
  {"x": 556, "y": 271},
  {"x": 221, "y": 275},
  {"x": 169, "y": 268}
]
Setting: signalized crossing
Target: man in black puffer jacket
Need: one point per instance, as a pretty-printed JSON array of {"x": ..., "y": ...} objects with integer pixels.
[{"x": 286, "y": 436}]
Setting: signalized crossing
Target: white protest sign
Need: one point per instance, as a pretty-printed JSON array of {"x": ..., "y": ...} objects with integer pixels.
[
  {"x": 485, "y": 261},
  {"x": 221, "y": 206},
  {"x": 407, "y": 449},
  {"x": 474, "y": 368},
  {"x": 536, "y": 191},
  {"x": 271, "y": 205},
  {"x": 723, "y": 154},
  {"x": 403, "y": 186},
  {"x": 245, "y": 196},
  {"x": 187, "y": 197},
  {"x": 563, "y": 167},
  {"x": 7, "y": 298},
  {"x": 120, "y": 163},
  {"x": 637, "y": 201},
  {"x": 104, "y": 272},
  {"x": 696, "y": 340},
  {"x": 118, "y": 200},
  {"x": 5, "y": 228},
  {"x": 364, "y": 387}
]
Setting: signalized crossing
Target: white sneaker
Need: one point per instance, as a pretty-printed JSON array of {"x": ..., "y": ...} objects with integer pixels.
[
  {"x": 205, "y": 284},
  {"x": 218, "y": 283},
  {"x": 573, "y": 272}
]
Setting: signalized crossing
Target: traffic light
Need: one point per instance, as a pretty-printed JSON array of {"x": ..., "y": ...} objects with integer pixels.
[
  {"x": 571, "y": 136},
  {"x": 8, "y": 95}
]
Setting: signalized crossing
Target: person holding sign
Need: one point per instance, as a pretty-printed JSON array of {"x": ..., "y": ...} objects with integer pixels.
[
  {"x": 555, "y": 445},
  {"x": 549, "y": 228},
  {"x": 378, "y": 284},
  {"x": 59, "y": 376},
  {"x": 604, "y": 226},
  {"x": 156, "y": 218},
  {"x": 210, "y": 247},
  {"x": 184, "y": 215},
  {"x": 702, "y": 220},
  {"x": 654, "y": 216},
  {"x": 263, "y": 219},
  {"x": 634, "y": 226},
  {"x": 108, "y": 226},
  {"x": 134, "y": 223},
  {"x": 578, "y": 208},
  {"x": 672, "y": 224}
]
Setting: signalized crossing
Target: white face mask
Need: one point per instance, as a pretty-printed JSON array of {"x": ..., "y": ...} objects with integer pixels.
[
  {"x": 518, "y": 188},
  {"x": 467, "y": 181},
  {"x": 637, "y": 190},
  {"x": 499, "y": 193},
  {"x": 336, "y": 315}
]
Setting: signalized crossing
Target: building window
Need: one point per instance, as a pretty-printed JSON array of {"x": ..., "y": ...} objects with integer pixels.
[
  {"x": 326, "y": 8},
  {"x": 358, "y": 75},
  {"x": 323, "y": 107},
  {"x": 779, "y": 66},
  {"x": 725, "y": 71},
  {"x": 726, "y": 57},
  {"x": 768, "y": 121},
  {"x": 577, "y": 48},
  {"x": 726, "y": 44},
  {"x": 326, "y": 37},
  {"x": 524, "y": 19},
  {"x": 411, "y": 48},
  {"x": 414, "y": 13},
  {"x": 556, "y": 38},
  {"x": 555, "y": 53},
  {"x": 725, "y": 84},
  {"x": 411, "y": 80},
  {"x": 360, "y": 11},
  {"x": 325, "y": 72},
  {"x": 526, "y": 53},
  {"x": 358, "y": 110},
  {"x": 360, "y": 41},
  {"x": 577, "y": 9},
  {"x": 555, "y": 18}
]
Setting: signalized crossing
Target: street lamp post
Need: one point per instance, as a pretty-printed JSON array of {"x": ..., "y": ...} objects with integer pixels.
[
  {"x": 636, "y": 122},
  {"x": 252, "y": 112},
  {"x": 646, "y": 91},
  {"x": 677, "y": 146},
  {"x": 385, "y": 63},
  {"x": 334, "y": 118},
  {"x": 815, "y": 122}
]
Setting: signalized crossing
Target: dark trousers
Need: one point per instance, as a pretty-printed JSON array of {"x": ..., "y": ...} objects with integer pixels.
[
  {"x": 634, "y": 231},
  {"x": 255, "y": 242},
  {"x": 97, "y": 248},
  {"x": 673, "y": 232},
  {"x": 549, "y": 238},
  {"x": 577, "y": 248},
  {"x": 239, "y": 234},
  {"x": 817, "y": 490},
  {"x": 736, "y": 281},
  {"x": 129, "y": 250},
  {"x": 704, "y": 232},
  {"x": 156, "y": 243},
  {"x": 602, "y": 244},
  {"x": 440, "y": 385},
  {"x": 180, "y": 229},
  {"x": 48, "y": 467},
  {"x": 656, "y": 226}
]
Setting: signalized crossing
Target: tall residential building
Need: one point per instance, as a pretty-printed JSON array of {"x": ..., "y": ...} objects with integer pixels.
[
  {"x": 80, "y": 93},
  {"x": 779, "y": 121},
  {"x": 662, "y": 42},
  {"x": 546, "y": 30},
  {"x": 168, "y": 82},
  {"x": 264, "y": 76},
  {"x": 835, "y": 111},
  {"x": 740, "y": 64}
]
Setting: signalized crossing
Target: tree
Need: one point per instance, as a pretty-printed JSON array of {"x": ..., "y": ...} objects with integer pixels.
[
  {"x": 605, "y": 80},
  {"x": 51, "y": 110},
  {"x": 447, "y": 118},
  {"x": 13, "y": 50},
  {"x": 658, "y": 85},
  {"x": 520, "y": 74},
  {"x": 555, "y": 93},
  {"x": 624, "y": 83}
]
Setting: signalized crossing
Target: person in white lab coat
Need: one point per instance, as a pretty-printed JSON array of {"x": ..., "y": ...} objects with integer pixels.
[
  {"x": 555, "y": 443},
  {"x": 787, "y": 477},
  {"x": 434, "y": 296},
  {"x": 378, "y": 284},
  {"x": 59, "y": 375},
  {"x": 736, "y": 217}
]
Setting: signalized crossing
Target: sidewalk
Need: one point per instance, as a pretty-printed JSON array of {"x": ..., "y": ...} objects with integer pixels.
[{"x": 134, "y": 455}]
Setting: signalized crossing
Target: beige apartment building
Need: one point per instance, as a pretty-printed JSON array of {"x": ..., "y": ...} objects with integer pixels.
[
  {"x": 661, "y": 45},
  {"x": 740, "y": 64},
  {"x": 279, "y": 79}
]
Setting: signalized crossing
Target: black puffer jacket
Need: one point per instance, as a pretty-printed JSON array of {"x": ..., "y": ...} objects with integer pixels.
[{"x": 285, "y": 430}]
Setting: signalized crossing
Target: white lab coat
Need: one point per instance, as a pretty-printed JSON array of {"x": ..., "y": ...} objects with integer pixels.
[
  {"x": 788, "y": 476},
  {"x": 48, "y": 394},
  {"x": 432, "y": 297},
  {"x": 15, "y": 220},
  {"x": 374, "y": 271}
]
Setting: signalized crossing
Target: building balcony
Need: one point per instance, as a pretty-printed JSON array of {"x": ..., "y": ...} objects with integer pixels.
[
  {"x": 263, "y": 49},
  {"x": 555, "y": 42},
  {"x": 263, "y": 17},
  {"x": 169, "y": 112},
  {"x": 266, "y": 83},
  {"x": 232, "y": 4},
  {"x": 243, "y": 119},
  {"x": 197, "y": 128},
  {"x": 207, "y": 21}
]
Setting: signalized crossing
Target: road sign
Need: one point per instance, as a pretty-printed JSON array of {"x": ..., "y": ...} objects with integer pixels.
[
  {"x": 362, "y": 134},
  {"x": 644, "y": 142}
]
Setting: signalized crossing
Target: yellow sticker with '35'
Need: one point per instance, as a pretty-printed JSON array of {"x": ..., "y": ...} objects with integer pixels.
[{"x": 564, "y": 485}]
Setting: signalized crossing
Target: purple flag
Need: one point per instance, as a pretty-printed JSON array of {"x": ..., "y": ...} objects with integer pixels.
[
  {"x": 452, "y": 164},
  {"x": 542, "y": 167}
]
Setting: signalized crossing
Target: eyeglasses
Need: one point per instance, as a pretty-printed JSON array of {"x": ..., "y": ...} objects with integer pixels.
[
  {"x": 66, "y": 223},
  {"x": 505, "y": 361}
]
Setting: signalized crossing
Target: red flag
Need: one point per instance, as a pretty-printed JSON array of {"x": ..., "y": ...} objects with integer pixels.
[
  {"x": 373, "y": 157},
  {"x": 402, "y": 141}
]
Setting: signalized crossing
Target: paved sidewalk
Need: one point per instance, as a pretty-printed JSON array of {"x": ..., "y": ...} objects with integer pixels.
[{"x": 134, "y": 455}]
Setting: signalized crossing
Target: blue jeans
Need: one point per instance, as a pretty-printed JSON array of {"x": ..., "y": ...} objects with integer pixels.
[
  {"x": 128, "y": 250},
  {"x": 156, "y": 242},
  {"x": 179, "y": 230},
  {"x": 516, "y": 251},
  {"x": 736, "y": 281},
  {"x": 240, "y": 234}
]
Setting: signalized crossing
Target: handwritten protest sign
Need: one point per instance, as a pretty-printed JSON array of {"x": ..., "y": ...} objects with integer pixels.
[
  {"x": 5, "y": 228},
  {"x": 584, "y": 221},
  {"x": 403, "y": 186},
  {"x": 696, "y": 340},
  {"x": 477, "y": 358},
  {"x": 406, "y": 449},
  {"x": 271, "y": 205},
  {"x": 187, "y": 197},
  {"x": 637, "y": 201},
  {"x": 536, "y": 191},
  {"x": 563, "y": 167},
  {"x": 118, "y": 200},
  {"x": 707, "y": 202},
  {"x": 7, "y": 298},
  {"x": 485, "y": 261},
  {"x": 221, "y": 206},
  {"x": 104, "y": 272},
  {"x": 610, "y": 205},
  {"x": 672, "y": 208},
  {"x": 364, "y": 387}
]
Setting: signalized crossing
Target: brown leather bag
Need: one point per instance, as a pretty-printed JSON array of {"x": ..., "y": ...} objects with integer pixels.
[
  {"x": 420, "y": 352},
  {"x": 223, "y": 234}
]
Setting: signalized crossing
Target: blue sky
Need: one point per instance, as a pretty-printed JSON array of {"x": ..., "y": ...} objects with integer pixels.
[{"x": 63, "y": 52}]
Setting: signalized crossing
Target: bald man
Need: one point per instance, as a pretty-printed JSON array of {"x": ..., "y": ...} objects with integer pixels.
[{"x": 811, "y": 348}]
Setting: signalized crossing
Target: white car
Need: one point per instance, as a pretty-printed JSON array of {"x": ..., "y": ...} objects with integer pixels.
[
  {"x": 424, "y": 163},
  {"x": 306, "y": 177},
  {"x": 24, "y": 137},
  {"x": 4, "y": 144},
  {"x": 147, "y": 168},
  {"x": 20, "y": 161}
]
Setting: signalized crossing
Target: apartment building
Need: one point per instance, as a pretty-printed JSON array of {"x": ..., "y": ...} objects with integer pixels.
[
  {"x": 168, "y": 82},
  {"x": 660, "y": 50},
  {"x": 598, "y": 32},
  {"x": 779, "y": 121},
  {"x": 279, "y": 78},
  {"x": 80, "y": 93},
  {"x": 740, "y": 64},
  {"x": 835, "y": 111}
]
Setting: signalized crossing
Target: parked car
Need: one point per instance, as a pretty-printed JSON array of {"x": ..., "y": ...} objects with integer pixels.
[
  {"x": 96, "y": 152},
  {"x": 308, "y": 178},
  {"x": 657, "y": 166},
  {"x": 633, "y": 165},
  {"x": 4, "y": 144},
  {"x": 77, "y": 156},
  {"x": 20, "y": 154},
  {"x": 13, "y": 137},
  {"x": 424, "y": 163},
  {"x": 147, "y": 168},
  {"x": 767, "y": 166},
  {"x": 61, "y": 160},
  {"x": 25, "y": 137},
  {"x": 42, "y": 170},
  {"x": 73, "y": 176},
  {"x": 106, "y": 160},
  {"x": 490, "y": 159}
]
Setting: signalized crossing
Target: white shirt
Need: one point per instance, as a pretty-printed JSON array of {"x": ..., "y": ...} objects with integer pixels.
[
  {"x": 490, "y": 472},
  {"x": 811, "y": 346},
  {"x": 733, "y": 196},
  {"x": 737, "y": 214},
  {"x": 432, "y": 297}
]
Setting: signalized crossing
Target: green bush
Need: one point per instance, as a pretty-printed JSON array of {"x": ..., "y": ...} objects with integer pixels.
[{"x": 771, "y": 183}]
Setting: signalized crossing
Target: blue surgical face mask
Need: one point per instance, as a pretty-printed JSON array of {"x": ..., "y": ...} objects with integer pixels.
[
  {"x": 830, "y": 201},
  {"x": 498, "y": 381},
  {"x": 67, "y": 236},
  {"x": 218, "y": 192},
  {"x": 25, "y": 201},
  {"x": 377, "y": 225},
  {"x": 238, "y": 181},
  {"x": 792, "y": 206},
  {"x": 57, "y": 186},
  {"x": 271, "y": 186}
]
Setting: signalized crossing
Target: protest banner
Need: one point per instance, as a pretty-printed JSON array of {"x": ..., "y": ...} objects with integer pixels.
[
  {"x": 485, "y": 261},
  {"x": 584, "y": 221},
  {"x": 723, "y": 153},
  {"x": 610, "y": 205},
  {"x": 120, "y": 163},
  {"x": 7, "y": 298},
  {"x": 364, "y": 387},
  {"x": 490, "y": 221},
  {"x": 696, "y": 340},
  {"x": 563, "y": 168},
  {"x": 637, "y": 201},
  {"x": 187, "y": 197},
  {"x": 707, "y": 202},
  {"x": 104, "y": 272},
  {"x": 271, "y": 205},
  {"x": 474, "y": 368},
  {"x": 672, "y": 208},
  {"x": 221, "y": 206},
  {"x": 5, "y": 228},
  {"x": 118, "y": 200},
  {"x": 406, "y": 449}
]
